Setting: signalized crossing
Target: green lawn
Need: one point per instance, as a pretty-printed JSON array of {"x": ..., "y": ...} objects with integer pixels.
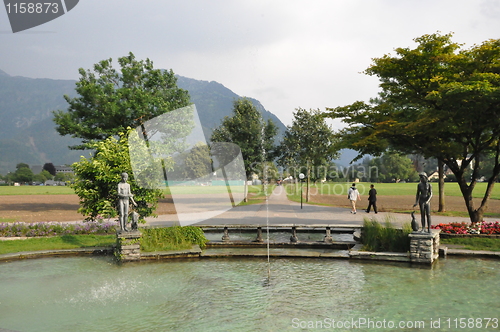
[
  {"x": 36, "y": 190},
  {"x": 474, "y": 243},
  {"x": 56, "y": 242},
  {"x": 65, "y": 190},
  {"x": 336, "y": 188},
  {"x": 402, "y": 189}
]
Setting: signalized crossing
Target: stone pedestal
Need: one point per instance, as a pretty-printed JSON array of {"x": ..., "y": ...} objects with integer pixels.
[
  {"x": 128, "y": 246},
  {"x": 424, "y": 247}
]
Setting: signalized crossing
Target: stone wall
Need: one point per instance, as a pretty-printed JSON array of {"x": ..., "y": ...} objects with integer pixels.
[{"x": 424, "y": 247}]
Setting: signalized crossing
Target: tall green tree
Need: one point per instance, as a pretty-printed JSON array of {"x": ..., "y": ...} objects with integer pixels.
[
  {"x": 111, "y": 100},
  {"x": 42, "y": 176},
  {"x": 247, "y": 129},
  {"x": 437, "y": 100},
  {"x": 308, "y": 142},
  {"x": 49, "y": 167},
  {"x": 23, "y": 173}
]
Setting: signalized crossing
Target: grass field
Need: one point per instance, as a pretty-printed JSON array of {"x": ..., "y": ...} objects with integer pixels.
[
  {"x": 64, "y": 190},
  {"x": 36, "y": 190},
  {"x": 56, "y": 242},
  {"x": 397, "y": 197},
  {"x": 329, "y": 188},
  {"x": 54, "y": 203},
  {"x": 390, "y": 189},
  {"x": 474, "y": 243}
]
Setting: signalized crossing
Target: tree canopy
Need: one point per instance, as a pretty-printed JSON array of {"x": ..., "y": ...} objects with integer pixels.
[
  {"x": 250, "y": 132},
  {"x": 437, "y": 100},
  {"x": 392, "y": 167},
  {"x": 109, "y": 100},
  {"x": 308, "y": 142},
  {"x": 23, "y": 173}
]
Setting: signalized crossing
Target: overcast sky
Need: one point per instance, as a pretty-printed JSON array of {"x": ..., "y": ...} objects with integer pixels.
[{"x": 287, "y": 54}]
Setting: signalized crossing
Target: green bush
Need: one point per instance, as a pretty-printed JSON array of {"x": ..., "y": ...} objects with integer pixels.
[
  {"x": 172, "y": 238},
  {"x": 376, "y": 237},
  {"x": 97, "y": 178}
]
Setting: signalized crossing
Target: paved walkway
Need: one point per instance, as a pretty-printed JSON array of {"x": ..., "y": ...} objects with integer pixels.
[{"x": 279, "y": 210}]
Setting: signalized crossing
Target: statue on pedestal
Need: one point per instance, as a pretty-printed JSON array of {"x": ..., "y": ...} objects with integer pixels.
[
  {"x": 423, "y": 199},
  {"x": 124, "y": 199}
]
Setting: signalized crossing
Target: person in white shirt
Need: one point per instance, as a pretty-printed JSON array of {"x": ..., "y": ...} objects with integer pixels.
[{"x": 353, "y": 195}]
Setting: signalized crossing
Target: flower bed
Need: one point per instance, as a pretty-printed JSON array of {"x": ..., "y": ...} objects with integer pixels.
[
  {"x": 488, "y": 228},
  {"x": 19, "y": 229}
]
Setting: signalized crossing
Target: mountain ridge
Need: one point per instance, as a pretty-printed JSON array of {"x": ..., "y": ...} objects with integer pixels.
[{"x": 27, "y": 132}]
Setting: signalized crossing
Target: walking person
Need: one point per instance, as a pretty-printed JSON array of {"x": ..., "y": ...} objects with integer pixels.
[
  {"x": 353, "y": 195},
  {"x": 372, "y": 199}
]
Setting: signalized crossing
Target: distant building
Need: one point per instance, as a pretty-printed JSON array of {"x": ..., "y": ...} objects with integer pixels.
[
  {"x": 54, "y": 183},
  {"x": 434, "y": 175},
  {"x": 63, "y": 169}
]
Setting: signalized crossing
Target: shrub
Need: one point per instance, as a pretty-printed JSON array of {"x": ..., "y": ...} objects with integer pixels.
[
  {"x": 376, "y": 237},
  {"x": 97, "y": 179},
  {"x": 172, "y": 238},
  {"x": 56, "y": 228}
]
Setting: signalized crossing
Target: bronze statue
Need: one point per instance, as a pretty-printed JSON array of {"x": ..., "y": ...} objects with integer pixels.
[
  {"x": 423, "y": 199},
  {"x": 124, "y": 198}
]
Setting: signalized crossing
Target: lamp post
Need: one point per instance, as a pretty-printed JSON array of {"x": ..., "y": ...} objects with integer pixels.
[{"x": 301, "y": 177}]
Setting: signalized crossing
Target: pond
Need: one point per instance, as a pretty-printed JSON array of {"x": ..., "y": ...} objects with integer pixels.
[{"x": 96, "y": 294}]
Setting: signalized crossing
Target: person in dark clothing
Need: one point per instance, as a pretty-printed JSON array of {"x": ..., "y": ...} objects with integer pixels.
[{"x": 372, "y": 199}]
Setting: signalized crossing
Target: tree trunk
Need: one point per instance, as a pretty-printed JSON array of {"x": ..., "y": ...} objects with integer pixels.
[
  {"x": 441, "y": 186},
  {"x": 475, "y": 215}
]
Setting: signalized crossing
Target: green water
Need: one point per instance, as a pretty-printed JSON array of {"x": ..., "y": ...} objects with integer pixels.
[{"x": 95, "y": 294}]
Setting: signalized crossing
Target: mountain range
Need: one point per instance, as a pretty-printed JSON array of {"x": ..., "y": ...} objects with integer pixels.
[{"x": 27, "y": 131}]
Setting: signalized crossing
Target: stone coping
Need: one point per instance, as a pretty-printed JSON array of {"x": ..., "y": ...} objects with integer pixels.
[
  {"x": 473, "y": 253},
  {"x": 380, "y": 256},
  {"x": 57, "y": 252},
  {"x": 276, "y": 253},
  {"x": 196, "y": 252}
]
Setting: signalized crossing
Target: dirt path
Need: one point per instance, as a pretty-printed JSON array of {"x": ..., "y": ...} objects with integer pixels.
[{"x": 35, "y": 208}]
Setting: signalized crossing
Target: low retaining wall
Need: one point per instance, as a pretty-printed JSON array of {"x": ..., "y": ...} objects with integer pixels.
[{"x": 425, "y": 248}]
